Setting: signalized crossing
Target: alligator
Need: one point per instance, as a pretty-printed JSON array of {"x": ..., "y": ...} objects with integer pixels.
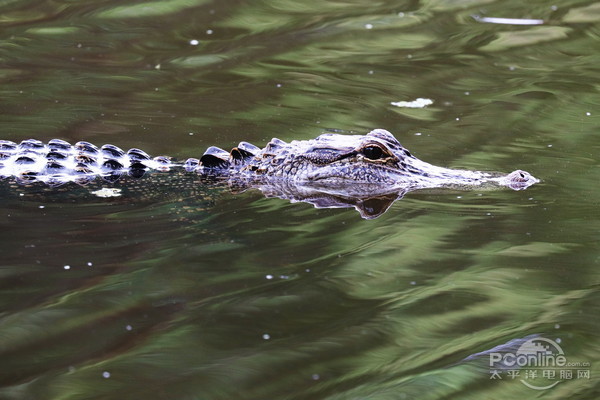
[{"x": 368, "y": 172}]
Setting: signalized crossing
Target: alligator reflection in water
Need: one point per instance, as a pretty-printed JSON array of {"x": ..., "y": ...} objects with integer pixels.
[{"x": 367, "y": 172}]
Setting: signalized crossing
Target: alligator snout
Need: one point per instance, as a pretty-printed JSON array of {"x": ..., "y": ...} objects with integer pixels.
[{"x": 519, "y": 180}]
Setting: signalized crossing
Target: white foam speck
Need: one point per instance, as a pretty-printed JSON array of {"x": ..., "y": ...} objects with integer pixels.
[
  {"x": 417, "y": 103},
  {"x": 107, "y": 192}
]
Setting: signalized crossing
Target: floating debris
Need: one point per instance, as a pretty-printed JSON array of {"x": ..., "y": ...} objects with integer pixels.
[
  {"x": 418, "y": 103},
  {"x": 508, "y": 21},
  {"x": 107, "y": 192}
]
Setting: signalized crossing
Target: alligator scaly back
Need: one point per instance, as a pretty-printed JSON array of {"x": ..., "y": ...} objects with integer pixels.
[{"x": 331, "y": 170}]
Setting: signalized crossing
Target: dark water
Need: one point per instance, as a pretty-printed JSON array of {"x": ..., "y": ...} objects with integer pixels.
[{"x": 235, "y": 296}]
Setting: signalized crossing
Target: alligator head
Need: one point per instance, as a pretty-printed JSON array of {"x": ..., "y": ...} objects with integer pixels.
[
  {"x": 380, "y": 160},
  {"x": 367, "y": 172}
]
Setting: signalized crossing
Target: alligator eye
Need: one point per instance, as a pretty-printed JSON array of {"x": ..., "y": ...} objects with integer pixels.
[{"x": 372, "y": 152}]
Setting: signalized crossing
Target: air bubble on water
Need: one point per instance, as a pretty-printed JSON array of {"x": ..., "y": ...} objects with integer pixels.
[
  {"x": 269, "y": 276},
  {"x": 67, "y": 267},
  {"x": 369, "y": 26},
  {"x": 266, "y": 336},
  {"x": 194, "y": 42},
  {"x": 106, "y": 374}
]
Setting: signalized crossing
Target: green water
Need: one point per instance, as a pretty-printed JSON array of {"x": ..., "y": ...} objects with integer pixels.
[{"x": 237, "y": 296}]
